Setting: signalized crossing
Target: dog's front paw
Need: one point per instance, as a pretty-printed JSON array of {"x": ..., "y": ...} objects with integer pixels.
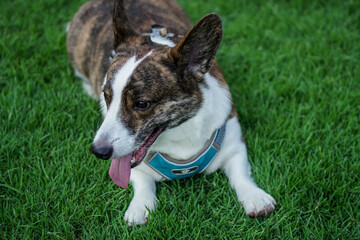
[
  {"x": 258, "y": 203},
  {"x": 138, "y": 212}
]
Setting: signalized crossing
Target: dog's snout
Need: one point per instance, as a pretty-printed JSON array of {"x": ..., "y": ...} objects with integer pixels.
[{"x": 102, "y": 150}]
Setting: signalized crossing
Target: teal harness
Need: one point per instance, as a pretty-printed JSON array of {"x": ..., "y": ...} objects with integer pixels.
[{"x": 172, "y": 169}]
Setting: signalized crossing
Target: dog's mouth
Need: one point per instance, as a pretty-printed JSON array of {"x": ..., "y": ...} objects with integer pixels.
[{"x": 120, "y": 168}]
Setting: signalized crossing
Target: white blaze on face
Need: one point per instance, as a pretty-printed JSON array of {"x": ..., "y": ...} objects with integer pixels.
[
  {"x": 113, "y": 130},
  {"x": 103, "y": 106}
]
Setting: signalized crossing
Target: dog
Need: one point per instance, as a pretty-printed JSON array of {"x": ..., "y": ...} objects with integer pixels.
[{"x": 167, "y": 109}]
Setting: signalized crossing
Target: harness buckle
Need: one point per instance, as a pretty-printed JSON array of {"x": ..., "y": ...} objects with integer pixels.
[{"x": 159, "y": 30}]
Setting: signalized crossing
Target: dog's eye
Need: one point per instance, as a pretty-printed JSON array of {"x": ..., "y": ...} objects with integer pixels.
[{"x": 142, "y": 105}]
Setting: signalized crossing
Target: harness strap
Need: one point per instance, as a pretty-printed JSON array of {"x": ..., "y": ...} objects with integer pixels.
[
  {"x": 157, "y": 30},
  {"x": 172, "y": 169}
]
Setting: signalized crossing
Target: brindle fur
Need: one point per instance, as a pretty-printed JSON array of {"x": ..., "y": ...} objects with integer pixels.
[
  {"x": 90, "y": 45},
  {"x": 171, "y": 79},
  {"x": 90, "y": 39},
  {"x": 168, "y": 80}
]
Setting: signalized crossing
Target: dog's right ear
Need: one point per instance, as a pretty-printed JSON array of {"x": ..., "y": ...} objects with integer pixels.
[
  {"x": 195, "y": 53},
  {"x": 122, "y": 27}
]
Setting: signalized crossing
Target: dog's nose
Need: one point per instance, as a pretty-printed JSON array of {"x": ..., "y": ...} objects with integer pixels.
[{"x": 102, "y": 150}]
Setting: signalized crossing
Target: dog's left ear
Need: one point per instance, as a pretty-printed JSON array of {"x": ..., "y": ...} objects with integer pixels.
[
  {"x": 195, "y": 53},
  {"x": 121, "y": 24}
]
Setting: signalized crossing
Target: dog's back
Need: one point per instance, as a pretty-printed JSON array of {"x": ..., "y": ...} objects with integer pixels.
[{"x": 94, "y": 40}]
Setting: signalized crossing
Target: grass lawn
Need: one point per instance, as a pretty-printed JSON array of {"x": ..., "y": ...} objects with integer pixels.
[{"x": 294, "y": 71}]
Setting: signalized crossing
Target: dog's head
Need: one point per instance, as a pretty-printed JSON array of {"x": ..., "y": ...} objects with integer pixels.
[{"x": 150, "y": 88}]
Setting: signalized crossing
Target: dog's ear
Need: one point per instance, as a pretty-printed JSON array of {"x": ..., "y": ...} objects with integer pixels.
[
  {"x": 195, "y": 53},
  {"x": 122, "y": 27}
]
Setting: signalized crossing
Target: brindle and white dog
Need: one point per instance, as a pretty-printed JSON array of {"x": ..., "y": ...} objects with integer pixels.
[{"x": 160, "y": 93}]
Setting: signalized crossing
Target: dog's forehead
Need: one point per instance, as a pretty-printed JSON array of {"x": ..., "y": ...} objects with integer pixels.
[{"x": 148, "y": 65}]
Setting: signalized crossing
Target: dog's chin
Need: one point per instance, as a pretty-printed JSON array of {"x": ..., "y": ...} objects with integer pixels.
[{"x": 120, "y": 168}]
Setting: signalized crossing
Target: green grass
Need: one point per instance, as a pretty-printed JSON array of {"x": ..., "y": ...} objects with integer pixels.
[{"x": 294, "y": 72}]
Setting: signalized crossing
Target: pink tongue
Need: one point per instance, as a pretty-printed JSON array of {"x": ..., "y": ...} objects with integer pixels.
[{"x": 120, "y": 169}]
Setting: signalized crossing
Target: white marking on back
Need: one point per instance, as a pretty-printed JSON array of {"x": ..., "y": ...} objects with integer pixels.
[
  {"x": 162, "y": 41},
  {"x": 112, "y": 130},
  {"x": 67, "y": 27},
  {"x": 86, "y": 83}
]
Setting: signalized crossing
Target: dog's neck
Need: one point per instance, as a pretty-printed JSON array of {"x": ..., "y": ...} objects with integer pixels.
[{"x": 189, "y": 138}]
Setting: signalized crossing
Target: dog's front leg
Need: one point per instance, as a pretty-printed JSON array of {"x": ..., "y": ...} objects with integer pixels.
[
  {"x": 144, "y": 199},
  {"x": 256, "y": 201}
]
